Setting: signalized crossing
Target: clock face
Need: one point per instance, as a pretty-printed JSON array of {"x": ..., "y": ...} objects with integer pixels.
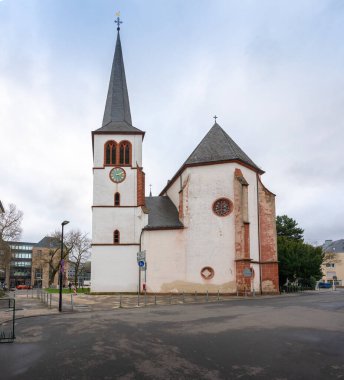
[{"x": 117, "y": 175}]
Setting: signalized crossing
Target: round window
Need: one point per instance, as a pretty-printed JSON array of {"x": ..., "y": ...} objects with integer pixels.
[
  {"x": 222, "y": 207},
  {"x": 207, "y": 273}
]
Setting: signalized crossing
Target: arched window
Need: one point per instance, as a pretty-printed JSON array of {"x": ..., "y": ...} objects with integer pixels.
[
  {"x": 117, "y": 199},
  {"x": 110, "y": 153},
  {"x": 124, "y": 153},
  {"x": 116, "y": 237}
]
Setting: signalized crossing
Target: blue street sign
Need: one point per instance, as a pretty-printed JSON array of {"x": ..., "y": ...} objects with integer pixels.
[{"x": 141, "y": 263}]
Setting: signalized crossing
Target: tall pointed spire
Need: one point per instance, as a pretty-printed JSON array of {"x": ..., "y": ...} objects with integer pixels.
[
  {"x": 117, "y": 116},
  {"x": 117, "y": 107}
]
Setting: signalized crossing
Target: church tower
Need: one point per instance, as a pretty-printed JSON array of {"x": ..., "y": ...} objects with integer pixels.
[{"x": 118, "y": 189}]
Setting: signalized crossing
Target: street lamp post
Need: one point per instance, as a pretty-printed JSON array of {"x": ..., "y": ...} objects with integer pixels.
[{"x": 61, "y": 266}]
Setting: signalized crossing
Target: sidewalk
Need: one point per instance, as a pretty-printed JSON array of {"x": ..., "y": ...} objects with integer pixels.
[{"x": 32, "y": 303}]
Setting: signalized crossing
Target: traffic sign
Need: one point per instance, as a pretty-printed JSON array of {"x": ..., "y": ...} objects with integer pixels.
[
  {"x": 141, "y": 263},
  {"x": 247, "y": 272},
  {"x": 141, "y": 255}
]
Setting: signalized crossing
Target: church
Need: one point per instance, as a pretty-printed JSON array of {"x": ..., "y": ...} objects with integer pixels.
[{"x": 212, "y": 227}]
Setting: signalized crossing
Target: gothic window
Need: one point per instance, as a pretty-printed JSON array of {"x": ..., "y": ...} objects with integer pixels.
[
  {"x": 110, "y": 153},
  {"x": 222, "y": 207},
  {"x": 124, "y": 153},
  {"x": 117, "y": 199},
  {"x": 116, "y": 237}
]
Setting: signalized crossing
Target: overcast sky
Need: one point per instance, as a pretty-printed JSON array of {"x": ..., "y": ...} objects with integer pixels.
[{"x": 272, "y": 71}]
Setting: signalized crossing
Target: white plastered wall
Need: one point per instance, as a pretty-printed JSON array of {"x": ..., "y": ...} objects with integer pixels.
[
  {"x": 114, "y": 269},
  {"x": 101, "y": 139},
  {"x": 129, "y": 221},
  {"x": 210, "y": 239},
  {"x": 165, "y": 255}
]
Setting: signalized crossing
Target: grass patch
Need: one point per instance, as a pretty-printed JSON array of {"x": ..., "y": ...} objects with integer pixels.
[{"x": 67, "y": 291}]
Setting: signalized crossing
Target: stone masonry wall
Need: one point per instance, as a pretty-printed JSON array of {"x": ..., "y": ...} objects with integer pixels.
[{"x": 268, "y": 240}]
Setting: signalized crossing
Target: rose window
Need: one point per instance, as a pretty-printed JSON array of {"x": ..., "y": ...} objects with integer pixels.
[{"x": 222, "y": 207}]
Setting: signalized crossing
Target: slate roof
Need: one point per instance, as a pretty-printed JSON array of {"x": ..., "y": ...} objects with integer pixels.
[
  {"x": 162, "y": 213},
  {"x": 117, "y": 116},
  {"x": 218, "y": 146},
  {"x": 335, "y": 246},
  {"x": 48, "y": 242}
]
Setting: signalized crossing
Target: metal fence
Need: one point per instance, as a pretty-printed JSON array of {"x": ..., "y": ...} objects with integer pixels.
[{"x": 7, "y": 320}]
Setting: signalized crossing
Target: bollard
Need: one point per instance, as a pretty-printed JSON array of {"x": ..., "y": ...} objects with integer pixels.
[
  {"x": 207, "y": 296},
  {"x": 27, "y": 293},
  {"x": 138, "y": 299},
  {"x": 155, "y": 299},
  {"x": 145, "y": 297},
  {"x": 120, "y": 300},
  {"x": 183, "y": 297},
  {"x": 50, "y": 300},
  {"x": 170, "y": 298},
  {"x": 71, "y": 301},
  {"x": 195, "y": 295},
  {"x": 218, "y": 295}
]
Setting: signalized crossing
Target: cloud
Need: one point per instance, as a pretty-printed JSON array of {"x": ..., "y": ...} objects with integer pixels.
[{"x": 271, "y": 72}]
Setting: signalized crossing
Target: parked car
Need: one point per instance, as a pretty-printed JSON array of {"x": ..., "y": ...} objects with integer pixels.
[
  {"x": 326, "y": 285},
  {"x": 20, "y": 287}
]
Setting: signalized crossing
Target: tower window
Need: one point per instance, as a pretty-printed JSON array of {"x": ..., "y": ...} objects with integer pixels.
[
  {"x": 116, "y": 237},
  {"x": 110, "y": 153},
  {"x": 117, "y": 199},
  {"x": 124, "y": 153}
]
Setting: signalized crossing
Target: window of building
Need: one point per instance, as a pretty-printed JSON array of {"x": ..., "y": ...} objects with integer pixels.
[
  {"x": 116, "y": 237},
  {"x": 124, "y": 153},
  {"x": 110, "y": 153},
  {"x": 222, "y": 207},
  {"x": 117, "y": 199},
  {"x": 38, "y": 274}
]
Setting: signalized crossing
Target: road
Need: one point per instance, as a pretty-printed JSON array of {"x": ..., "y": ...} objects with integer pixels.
[{"x": 285, "y": 337}]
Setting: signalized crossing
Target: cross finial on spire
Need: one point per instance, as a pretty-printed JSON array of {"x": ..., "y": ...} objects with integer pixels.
[
  {"x": 215, "y": 117},
  {"x": 150, "y": 190},
  {"x": 118, "y": 21}
]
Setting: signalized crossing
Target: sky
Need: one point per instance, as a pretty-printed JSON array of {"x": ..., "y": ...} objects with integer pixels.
[{"x": 271, "y": 70}]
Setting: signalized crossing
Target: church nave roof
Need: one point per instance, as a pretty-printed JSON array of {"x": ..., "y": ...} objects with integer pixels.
[{"x": 162, "y": 214}]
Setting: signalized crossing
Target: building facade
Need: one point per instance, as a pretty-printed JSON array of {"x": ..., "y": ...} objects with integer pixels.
[
  {"x": 211, "y": 228},
  {"x": 46, "y": 256},
  {"x": 333, "y": 266},
  {"x": 21, "y": 260}
]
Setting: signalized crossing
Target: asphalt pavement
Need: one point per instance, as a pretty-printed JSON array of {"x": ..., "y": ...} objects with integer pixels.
[{"x": 283, "y": 337}]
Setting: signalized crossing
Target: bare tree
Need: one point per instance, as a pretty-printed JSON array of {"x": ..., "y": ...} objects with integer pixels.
[
  {"x": 10, "y": 230},
  {"x": 10, "y": 223},
  {"x": 76, "y": 247},
  {"x": 80, "y": 253},
  {"x": 53, "y": 258}
]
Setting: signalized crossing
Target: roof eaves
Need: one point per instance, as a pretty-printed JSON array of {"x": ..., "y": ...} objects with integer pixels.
[
  {"x": 184, "y": 166},
  {"x": 153, "y": 228}
]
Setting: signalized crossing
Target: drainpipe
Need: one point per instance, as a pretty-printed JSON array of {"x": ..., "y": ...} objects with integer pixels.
[{"x": 259, "y": 250}]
